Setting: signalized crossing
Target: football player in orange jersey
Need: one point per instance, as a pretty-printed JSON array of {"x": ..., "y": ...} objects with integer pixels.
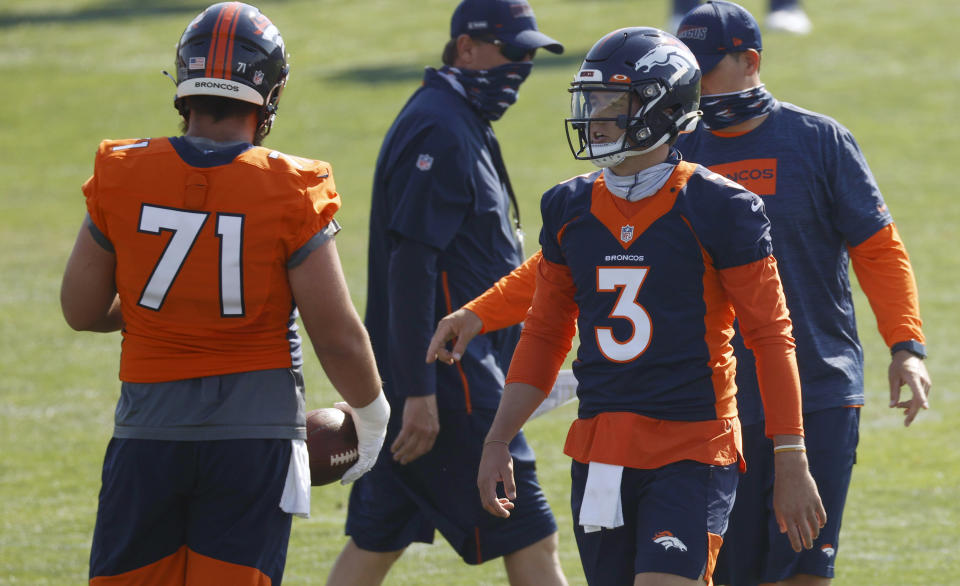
[{"x": 202, "y": 249}]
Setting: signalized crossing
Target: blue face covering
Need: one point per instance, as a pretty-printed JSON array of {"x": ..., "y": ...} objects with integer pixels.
[
  {"x": 491, "y": 91},
  {"x": 723, "y": 110}
]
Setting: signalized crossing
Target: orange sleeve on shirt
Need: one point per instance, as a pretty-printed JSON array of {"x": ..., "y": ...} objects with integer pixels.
[
  {"x": 548, "y": 332},
  {"x": 884, "y": 272},
  {"x": 756, "y": 293},
  {"x": 506, "y": 303}
]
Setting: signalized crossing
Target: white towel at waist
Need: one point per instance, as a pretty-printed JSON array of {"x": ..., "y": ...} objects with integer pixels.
[
  {"x": 601, "y": 507},
  {"x": 296, "y": 490}
]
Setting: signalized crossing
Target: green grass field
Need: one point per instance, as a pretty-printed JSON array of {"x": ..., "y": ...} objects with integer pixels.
[{"x": 77, "y": 71}]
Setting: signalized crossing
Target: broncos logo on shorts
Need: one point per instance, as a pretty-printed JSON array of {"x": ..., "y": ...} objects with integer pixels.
[{"x": 668, "y": 540}]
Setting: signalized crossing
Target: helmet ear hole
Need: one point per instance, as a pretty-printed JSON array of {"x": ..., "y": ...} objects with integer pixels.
[{"x": 641, "y": 134}]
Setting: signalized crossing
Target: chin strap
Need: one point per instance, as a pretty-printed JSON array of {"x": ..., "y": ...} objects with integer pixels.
[{"x": 617, "y": 158}]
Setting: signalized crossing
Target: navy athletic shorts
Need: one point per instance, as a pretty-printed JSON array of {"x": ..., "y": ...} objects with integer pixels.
[
  {"x": 755, "y": 551},
  {"x": 674, "y": 520},
  {"x": 395, "y": 505},
  {"x": 207, "y": 510}
]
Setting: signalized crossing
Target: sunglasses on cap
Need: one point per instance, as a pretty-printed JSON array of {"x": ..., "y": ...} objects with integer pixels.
[{"x": 511, "y": 52}]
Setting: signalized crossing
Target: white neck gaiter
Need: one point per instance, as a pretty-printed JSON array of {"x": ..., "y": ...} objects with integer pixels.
[{"x": 643, "y": 184}]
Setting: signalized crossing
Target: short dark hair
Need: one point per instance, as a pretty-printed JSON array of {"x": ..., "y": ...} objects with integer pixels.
[
  {"x": 219, "y": 107},
  {"x": 449, "y": 55}
]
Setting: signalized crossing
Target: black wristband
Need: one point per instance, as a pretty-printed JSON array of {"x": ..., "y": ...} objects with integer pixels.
[{"x": 912, "y": 346}]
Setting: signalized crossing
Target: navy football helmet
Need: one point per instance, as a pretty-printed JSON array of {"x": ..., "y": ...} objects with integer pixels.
[
  {"x": 232, "y": 50},
  {"x": 641, "y": 79}
]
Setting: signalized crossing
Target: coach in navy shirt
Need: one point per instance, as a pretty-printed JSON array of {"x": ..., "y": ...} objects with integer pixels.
[
  {"x": 826, "y": 213},
  {"x": 444, "y": 226}
]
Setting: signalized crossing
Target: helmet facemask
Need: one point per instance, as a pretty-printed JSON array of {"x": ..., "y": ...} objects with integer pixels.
[
  {"x": 637, "y": 89},
  {"x": 636, "y": 109},
  {"x": 268, "y": 112}
]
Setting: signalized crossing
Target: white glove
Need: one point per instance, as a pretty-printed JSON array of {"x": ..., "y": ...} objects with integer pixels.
[{"x": 371, "y": 424}]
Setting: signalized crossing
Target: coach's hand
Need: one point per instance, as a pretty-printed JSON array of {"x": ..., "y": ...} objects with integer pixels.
[
  {"x": 496, "y": 465},
  {"x": 461, "y": 326},
  {"x": 421, "y": 424},
  {"x": 796, "y": 501},
  {"x": 908, "y": 369}
]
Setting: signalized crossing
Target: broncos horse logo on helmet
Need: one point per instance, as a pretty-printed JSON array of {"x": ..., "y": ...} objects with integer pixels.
[
  {"x": 642, "y": 79},
  {"x": 232, "y": 50},
  {"x": 667, "y": 56}
]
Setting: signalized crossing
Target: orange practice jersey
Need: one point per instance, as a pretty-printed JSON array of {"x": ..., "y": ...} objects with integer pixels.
[{"x": 202, "y": 252}]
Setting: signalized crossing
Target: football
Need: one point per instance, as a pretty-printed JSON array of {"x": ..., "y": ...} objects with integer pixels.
[{"x": 332, "y": 444}]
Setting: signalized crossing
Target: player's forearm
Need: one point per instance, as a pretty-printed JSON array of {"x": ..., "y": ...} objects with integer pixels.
[
  {"x": 347, "y": 359},
  {"x": 88, "y": 291},
  {"x": 790, "y": 454},
  {"x": 886, "y": 276},
  {"x": 96, "y": 320},
  {"x": 112, "y": 320},
  {"x": 518, "y": 402},
  {"x": 339, "y": 339}
]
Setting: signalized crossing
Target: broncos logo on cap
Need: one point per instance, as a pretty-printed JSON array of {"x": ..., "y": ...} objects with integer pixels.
[{"x": 680, "y": 60}]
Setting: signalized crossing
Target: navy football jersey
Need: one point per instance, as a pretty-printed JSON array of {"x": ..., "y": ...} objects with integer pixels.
[{"x": 654, "y": 320}]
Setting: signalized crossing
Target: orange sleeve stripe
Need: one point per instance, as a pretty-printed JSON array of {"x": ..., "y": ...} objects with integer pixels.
[
  {"x": 563, "y": 229},
  {"x": 718, "y": 328},
  {"x": 757, "y": 296},
  {"x": 476, "y": 539},
  {"x": 506, "y": 303},
  {"x": 548, "y": 333},
  {"x": 884, "y": 272},
  {"x": 463, "y": 375},
  {"x": 714, "y": 542}
]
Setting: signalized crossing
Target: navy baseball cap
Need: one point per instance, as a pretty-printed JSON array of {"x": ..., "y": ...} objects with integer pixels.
[
  {"x": 716, "y": 28},
  {"x": 510, "y": 21}
]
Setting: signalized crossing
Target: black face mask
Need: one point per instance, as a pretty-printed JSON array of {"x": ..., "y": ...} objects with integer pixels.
[
  {"x": 492, "y": 91},
  {"x": 723, "y": 110}
]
